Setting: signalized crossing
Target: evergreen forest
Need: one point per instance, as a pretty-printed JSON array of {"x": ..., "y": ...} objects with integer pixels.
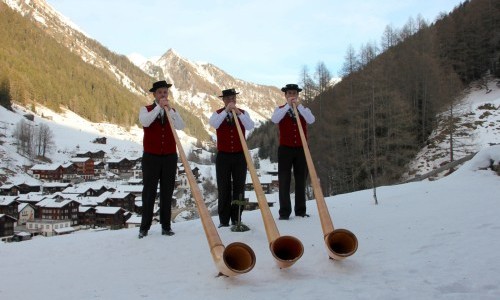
[
  {"x": 36, "y": 68},
  {"x": 372, "y": 123}
]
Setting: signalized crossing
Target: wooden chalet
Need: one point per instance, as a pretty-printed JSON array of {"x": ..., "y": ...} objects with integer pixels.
[
  {"x": 87, "y": 191},
  {"x": 84, "y": 167},
  {"x": 122, "y": 199},
  {"x": 9, "y": 206},
  {"x": 86, "y": 216},
  {"x": 96, "y": 156},
  {"x": 7, "y": 224},
  {"x": 54, "y": 187},
  {"x": 70, "y": 172},
  {"x": 26, "y": 187},
  {"x": 9, "y": 189},
  {"x": 58, "y": 209},
  {"x": 111, "y": 217},
  {"x": 121, "y": 166},
  {"x": 52, "y": 172},
  {"x": 99, "y": 169}
]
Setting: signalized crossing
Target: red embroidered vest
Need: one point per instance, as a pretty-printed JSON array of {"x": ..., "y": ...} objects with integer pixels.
[
  {"x": 158, "y": 137},
  {"x": 289, "y": 132},
  {"x": 228, "y": 139}
]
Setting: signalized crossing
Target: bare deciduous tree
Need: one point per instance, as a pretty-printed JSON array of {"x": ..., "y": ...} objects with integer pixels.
[{"x": 45, "y": 140}]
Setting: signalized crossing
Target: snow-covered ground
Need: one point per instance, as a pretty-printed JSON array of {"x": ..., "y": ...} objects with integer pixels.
[
  {"x": 424, "y": 240},
  {"x": 477, "y": 126}
]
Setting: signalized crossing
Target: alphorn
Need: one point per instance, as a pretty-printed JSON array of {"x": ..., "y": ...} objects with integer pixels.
[
  {"x": 286, "y": 250},
  {"x": 235, "y": 259},
  {"x": 340, "y": 243}
]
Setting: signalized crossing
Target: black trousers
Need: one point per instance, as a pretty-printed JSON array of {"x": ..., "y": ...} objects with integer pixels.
[
  {"x": 231, "y": 169},
  {"x": 157, "y": 168},
  {"x": 288, "y": 158}
]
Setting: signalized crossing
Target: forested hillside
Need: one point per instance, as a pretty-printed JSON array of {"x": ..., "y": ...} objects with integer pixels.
[
  {"x": 371, "y": 124},
  {"x": 36, "y": 68}
]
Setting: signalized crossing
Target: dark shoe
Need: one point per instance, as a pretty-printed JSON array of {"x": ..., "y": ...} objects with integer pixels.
[
  {"x": 142, "y": 234},
  {"x": 283, "y": 218},
  {"x": 168, "y": 232},
  {"x": 303, "y": 215},
  {"x": 223, "y": 225}
]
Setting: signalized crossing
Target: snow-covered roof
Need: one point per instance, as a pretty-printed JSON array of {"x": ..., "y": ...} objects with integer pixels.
[
  {"x": 79, "y": 159},
  {"x": 134, "y": 219},
  {"x": 7, "y": 200},
  {"x": 107, "y": 210},
  {"x": 43, "y": 167},
  {"x": 53, "y": 203}
]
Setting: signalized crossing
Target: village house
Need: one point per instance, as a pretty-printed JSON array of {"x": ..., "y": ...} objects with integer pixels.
[
  {"x": 122, "y": 199},
  {"x": 181, "y": 181},
  {"x": 47, "y": 227},
  {"x": 134, "y": 221},
  {"x": 122, "y": 166},
  {"x": 9, "y": 189},
  {"x": 86, "y": 216},
  {"x": 111, "y": 217},
  {"x": 253, "y": 203},
  {"x": 21, "y": 236},
  {"x": 97, "y": 156},
  {"x": 9, "y": 205},
  {"x": 87, "y": 190},
  {"x": 266, "y": 181},
  {"x": 26, "y": 212},
  {"x": 7, "y": 224},
  {"x": 51, "y": 172},
  {"x": 54, "y": 187},
  {"x": 28, "y": 187},
  {"x": 135, "y": 181},
  {"x": 70, "y": 172},
  {"x": 84, "y": 167},
  {"x": 181, "y": 170},
  {"x": 137, "y": 171},
  {"x": 31, "y": 198},
  {"x": 100, "y": 140},
  {"x": 135, "y": 189},
  {"x": 58, "y": 209},
  {"x": 100, "y": 169}
]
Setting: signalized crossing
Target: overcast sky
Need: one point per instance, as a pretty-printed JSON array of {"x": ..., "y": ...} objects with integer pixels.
[{"x": 265, "y": 42}]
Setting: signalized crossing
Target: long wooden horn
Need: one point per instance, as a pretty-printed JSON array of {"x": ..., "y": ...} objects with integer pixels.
[
  {"x": 235, "y": 259},
  {"x": 340, "y": 243},
  {"x": 285, "y": 249}
]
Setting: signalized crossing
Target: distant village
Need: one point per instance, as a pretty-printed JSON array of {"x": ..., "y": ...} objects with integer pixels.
[{"x": 69, "y": 197}]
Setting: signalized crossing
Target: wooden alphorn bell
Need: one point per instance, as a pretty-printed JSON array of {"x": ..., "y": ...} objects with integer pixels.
[
  {"x": 286, "y": 250},
  {"x": 235, "y": 259},
  {"x": 340, "y": 243}
]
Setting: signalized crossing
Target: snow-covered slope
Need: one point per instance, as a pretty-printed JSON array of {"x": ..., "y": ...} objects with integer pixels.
[{"x": 425, "y": 240}]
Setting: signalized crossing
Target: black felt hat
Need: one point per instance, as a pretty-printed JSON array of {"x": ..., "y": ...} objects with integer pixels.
[
  {"x": 291, "y": 87},
  {"x": 159, "y": 84},
  {"x": 228, "y": 92}
]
